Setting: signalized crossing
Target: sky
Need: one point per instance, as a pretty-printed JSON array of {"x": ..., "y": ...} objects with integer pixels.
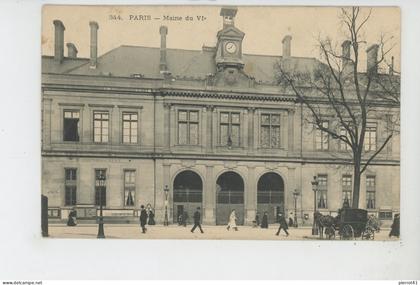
[{"x": 264, "y": 27}]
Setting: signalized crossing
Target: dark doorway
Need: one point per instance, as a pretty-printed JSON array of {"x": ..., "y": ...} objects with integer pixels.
[
  {"x": 230, "y": 195},
  {"x": 188, "y": 194},
  {"x": 270, "y": 196}
]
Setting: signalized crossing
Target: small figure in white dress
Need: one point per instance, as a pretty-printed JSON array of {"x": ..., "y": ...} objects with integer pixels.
[{"x": 232, "y": 221}]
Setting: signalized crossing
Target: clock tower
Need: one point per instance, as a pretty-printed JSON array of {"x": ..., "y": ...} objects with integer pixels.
[{"x": 229, "y": 42}]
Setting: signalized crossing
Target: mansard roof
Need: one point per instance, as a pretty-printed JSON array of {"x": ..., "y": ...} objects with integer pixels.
[{"x": 129, "y": 61}]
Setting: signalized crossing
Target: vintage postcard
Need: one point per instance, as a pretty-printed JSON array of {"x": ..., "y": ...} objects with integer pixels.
[{"x": 221, "y": 122}]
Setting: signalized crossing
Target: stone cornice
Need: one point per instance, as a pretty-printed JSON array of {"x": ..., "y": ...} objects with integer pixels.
[
  {"x": 238, "y": 95},
  {"x": 216, "y": 157},
  {"x": 249, "y": 94}
]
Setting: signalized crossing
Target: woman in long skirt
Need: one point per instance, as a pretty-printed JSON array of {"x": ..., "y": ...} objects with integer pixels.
[
  {"x": 264, "y": 223},
  {"x": 232, "y": 221},
  {"x": 150, "y": 215},
  {"x": 395, "y": 227}
]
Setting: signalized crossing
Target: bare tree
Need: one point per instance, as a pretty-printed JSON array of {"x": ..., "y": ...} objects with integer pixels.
[{"x": 337, "y": 92}]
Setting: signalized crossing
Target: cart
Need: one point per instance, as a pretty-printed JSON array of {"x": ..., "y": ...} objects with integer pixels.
[{"x": 351, "y": 224}]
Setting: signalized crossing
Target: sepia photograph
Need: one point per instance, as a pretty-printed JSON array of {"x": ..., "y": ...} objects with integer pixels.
[{"x": 220, "y": 122}]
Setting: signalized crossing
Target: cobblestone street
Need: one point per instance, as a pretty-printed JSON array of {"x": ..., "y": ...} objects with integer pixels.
[{"x": 133, "y": 231}]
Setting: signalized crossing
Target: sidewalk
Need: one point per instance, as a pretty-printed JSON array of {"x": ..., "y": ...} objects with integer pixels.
[{"x": 132, "y": 231}]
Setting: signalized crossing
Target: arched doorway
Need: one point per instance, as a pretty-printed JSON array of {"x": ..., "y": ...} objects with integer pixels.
[
  {"x": 270, "y": 196},
  {"x": 188, "y": 194},
  {"x": 230, "y": 195}
]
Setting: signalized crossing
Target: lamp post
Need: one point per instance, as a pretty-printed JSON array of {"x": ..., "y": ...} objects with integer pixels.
[
  {"x": 166, "y": 220},
  {"x": 295, "y": 196},
  {"x": 315, "y": 189},
  {"x": 101, "y": 184}
]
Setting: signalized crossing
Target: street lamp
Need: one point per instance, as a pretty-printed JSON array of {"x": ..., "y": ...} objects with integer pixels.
[
  {"x": 166, "y": 220},
  {"x": 315, "y": 189},
  {"x": 101, "y": 184},
  {"x": 295, "y": 196}
]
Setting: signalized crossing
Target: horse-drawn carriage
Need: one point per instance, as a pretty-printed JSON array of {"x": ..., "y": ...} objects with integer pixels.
[{"x": 348, "y": 224}]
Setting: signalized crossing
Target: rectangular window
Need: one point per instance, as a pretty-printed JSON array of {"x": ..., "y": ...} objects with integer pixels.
[
  {"x": 129, "y": 187},
  {"x": 370, "y": 137},
  {"x": 346, "y": 184},
  {"x": 230, "y": 129},
  {"x": 188, "y": 127},
  {"x": 322, "y": 191},
  {"x": 70, "y": 186},
  {"x": 100, "y": 126},
  {"x": 129, "y": 121},
  {"x": 270, "y": 130},
  {"x": 71, "y": 126},
  {"x": 321, "y": 138},
  {"x": 100, "y": 187},
  {"x": 385, "y": 215},
  {"x": 370, "y": 192},
  {"x": 343, "y": 145}
]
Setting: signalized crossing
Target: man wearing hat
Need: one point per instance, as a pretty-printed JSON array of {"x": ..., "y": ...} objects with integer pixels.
[
  {"x": 197, "y": 221},
  {"x": 283, "y": 225},
  {"x": 143, "y": 219}
]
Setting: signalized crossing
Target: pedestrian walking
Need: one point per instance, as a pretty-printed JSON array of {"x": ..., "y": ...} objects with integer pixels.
[
  {"x": 256, "y": 222},
  {"x": 290, "y": 221},
  {"x": 143, "y": 219},
  {"x": 197, "y": 221},
  {"x": 232, "y": 221},
  {"x": 180, "y": 220},
  {"x": 264, "y": 222},
  {"x": 150, "y": 215},
  {"x": 283, "y": 225},
  {"x": 395, "y": 227}
]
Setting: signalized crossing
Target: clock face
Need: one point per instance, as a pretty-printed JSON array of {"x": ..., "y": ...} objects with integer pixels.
[{"x": 230, "y": 47}]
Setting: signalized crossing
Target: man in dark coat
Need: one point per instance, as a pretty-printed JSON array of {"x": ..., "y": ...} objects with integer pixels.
[
  {"x": 197, "y": 221},
  {"x": 283, "y": 225},
  {"x": 395, "y": 227},
  {"x": 143, "y": 219}
]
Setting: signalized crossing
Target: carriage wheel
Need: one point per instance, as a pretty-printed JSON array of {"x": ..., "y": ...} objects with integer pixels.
[
  {"x": 369, "y": 233},
  {"x": 347, "y": 232},
  {"x": 330, "y": 232}
]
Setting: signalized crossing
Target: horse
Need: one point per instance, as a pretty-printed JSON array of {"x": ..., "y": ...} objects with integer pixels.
[{"x": 324, "y": 221}]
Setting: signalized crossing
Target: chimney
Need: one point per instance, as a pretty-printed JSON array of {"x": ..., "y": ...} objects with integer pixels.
[
  {"x": 93, "y": 44},
  {"x": 287, "y": 46},
  {"x": 346, "y": 55},
  {"x": 163, "y": 32},
  {"x": 58, "y": 41},
  {"x": 391, "y": 67},
  {"x": 71, "y": 50},
  {"x": 372, "y": 59}
]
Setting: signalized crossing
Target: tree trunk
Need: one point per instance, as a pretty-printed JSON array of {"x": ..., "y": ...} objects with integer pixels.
[{"x": 356, "y": 185}]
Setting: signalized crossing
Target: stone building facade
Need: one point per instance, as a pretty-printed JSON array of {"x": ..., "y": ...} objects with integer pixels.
[{"x": 211, "y": 125}]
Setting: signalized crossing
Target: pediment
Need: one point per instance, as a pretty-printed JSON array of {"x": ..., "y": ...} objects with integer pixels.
[
  {"x": 232, "y": 77},
  {"x": 231, "y": 32}
]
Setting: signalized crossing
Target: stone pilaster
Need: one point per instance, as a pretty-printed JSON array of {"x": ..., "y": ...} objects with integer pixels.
[
  {"x": 209, "y": 197},
  {"x": 172, "y": 126},
  {"x": 250, "y": 197},
  {"x": 114, "y": 127},
  {"x": 214, "y": 129},
  {"x": 203, "y": 128},
  {"x": 167, "y": 127},
  {"x": 251, "y": 119},
  {"x": 46, "y": 127},
  {"x": 209, "y": 129},
  {"x": 291, "y": 130}
]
